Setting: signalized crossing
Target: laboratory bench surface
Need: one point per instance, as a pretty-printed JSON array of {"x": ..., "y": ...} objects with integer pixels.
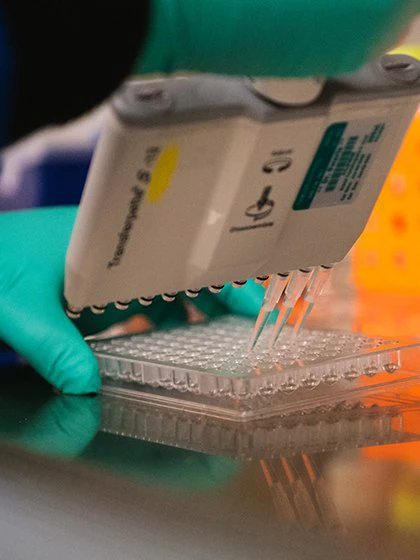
[{"x": 345, "y": 484}]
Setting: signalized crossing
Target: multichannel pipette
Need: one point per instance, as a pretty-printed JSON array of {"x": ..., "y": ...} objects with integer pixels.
[{"x": 198, "y": 181}]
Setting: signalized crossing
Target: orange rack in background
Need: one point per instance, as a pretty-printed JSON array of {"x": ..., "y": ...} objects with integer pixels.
[{"x": 387, "y": 255}]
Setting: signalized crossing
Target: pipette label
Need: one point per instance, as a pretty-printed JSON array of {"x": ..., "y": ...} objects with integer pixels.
[{"x": 340, "y": 164}]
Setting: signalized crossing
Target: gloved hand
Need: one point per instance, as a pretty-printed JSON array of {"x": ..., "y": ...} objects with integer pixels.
[
  {"x": 288, "y": 38},
  {"x": 32, "y": 316}
]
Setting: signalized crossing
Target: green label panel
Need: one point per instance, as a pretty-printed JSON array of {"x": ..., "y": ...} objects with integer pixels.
[{"x": 340, "y": 164}]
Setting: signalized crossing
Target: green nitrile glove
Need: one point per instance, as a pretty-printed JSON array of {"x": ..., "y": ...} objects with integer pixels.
[
  {"x": 32, "y": 317},
  {"x": 288, "y": 38},
  {"x": 32, "y": 320}
]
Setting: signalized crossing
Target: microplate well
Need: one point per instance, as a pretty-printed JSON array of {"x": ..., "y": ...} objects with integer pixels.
[{"x": 206, "y": 369}]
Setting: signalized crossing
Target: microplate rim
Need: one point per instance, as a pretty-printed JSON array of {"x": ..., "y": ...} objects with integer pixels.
[{"x": 181, "y": 401}]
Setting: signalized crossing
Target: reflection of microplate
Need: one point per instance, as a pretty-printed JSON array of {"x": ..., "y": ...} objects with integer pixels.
[
  {"x": 211, "y": 359},
  {"x": 326, "y": 429}
]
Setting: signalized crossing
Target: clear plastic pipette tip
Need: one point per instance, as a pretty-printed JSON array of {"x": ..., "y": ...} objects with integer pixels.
[
  {"x": 281, "y": 322},
  {"x": 272, "y": 296},
  {"x": 314, "y": 289},
  {"x": 306, "y": 310},
  {"x": 260, "y": 324},
  {"x": 293, "y": 292}
]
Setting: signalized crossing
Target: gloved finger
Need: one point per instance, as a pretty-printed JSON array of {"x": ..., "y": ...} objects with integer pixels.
[
  {"x": 289, "y": 38},
  {"x": 63, "y": 427}
]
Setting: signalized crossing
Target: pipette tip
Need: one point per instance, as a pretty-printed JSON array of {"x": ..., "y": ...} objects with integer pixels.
[
  {"x": 281, "y": 322},
  {"x": 258, "y": 329},
  {"x": 307, "y": 307}
]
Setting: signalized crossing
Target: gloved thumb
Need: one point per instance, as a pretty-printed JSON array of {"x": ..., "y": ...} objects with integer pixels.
[
  {"x": 32, "y": 316},
  {"x": 52, "y": 345}
]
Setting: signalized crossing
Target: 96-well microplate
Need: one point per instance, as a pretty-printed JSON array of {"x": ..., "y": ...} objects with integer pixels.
[{"x": 206, "y": 367}]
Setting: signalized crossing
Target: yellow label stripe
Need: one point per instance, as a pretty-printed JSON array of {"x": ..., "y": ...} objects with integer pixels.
[{"x": 162, "y": 174}]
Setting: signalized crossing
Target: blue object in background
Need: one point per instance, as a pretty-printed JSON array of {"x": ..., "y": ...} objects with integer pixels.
[
  {"x": 56, "y": 180},
  {"x": 61, "y": 178}
]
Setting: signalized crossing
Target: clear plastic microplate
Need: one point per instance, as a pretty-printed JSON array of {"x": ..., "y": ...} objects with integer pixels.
[{"x": 206, "y": 369}]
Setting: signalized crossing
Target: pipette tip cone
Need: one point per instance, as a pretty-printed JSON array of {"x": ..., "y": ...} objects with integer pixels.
[
  {"x": 280, "y": 324},
  {"x": 303, "y": 316},
  {"x": 258, "y": 329}
]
